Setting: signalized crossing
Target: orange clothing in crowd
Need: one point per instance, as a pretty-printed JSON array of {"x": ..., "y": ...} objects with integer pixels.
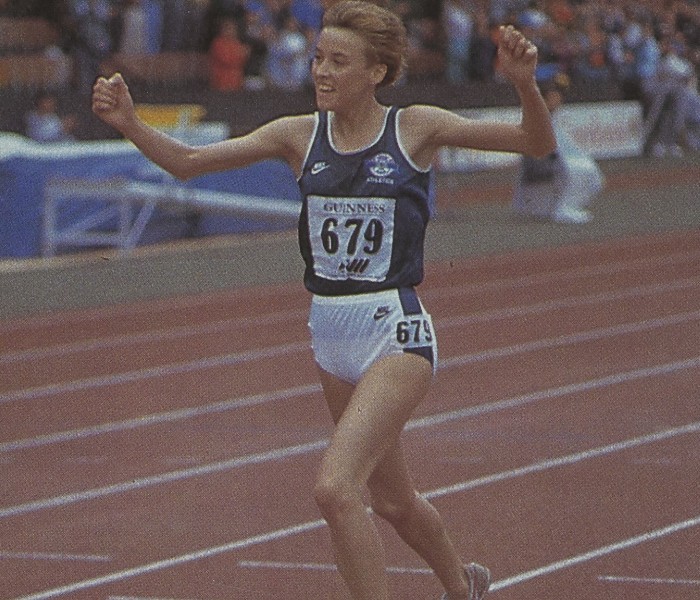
[{"x": 227, "y": 61}]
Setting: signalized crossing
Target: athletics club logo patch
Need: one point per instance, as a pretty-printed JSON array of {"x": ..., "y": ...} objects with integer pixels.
[{"x": 381, "y": 166}]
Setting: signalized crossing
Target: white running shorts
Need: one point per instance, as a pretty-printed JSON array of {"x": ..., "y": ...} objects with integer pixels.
[{"x": 349, "y": 333}]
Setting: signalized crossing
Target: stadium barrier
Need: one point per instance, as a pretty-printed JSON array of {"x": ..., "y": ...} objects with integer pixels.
[
  {"x": 117, "y": 212},
  {"x": 30, "y": 172}
]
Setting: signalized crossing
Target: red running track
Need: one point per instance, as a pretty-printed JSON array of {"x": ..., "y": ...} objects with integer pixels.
[{"x": 166, "y": 450}]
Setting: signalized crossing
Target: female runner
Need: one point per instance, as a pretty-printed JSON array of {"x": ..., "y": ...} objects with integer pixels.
[{"x": 364, "y": 171}]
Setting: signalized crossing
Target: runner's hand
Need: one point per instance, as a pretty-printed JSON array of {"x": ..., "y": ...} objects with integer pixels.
[
  {"x": 112, "y": 102},
  {"x": 517, "y": 56}
]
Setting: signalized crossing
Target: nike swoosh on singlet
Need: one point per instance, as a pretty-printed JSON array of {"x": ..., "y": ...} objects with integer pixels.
[{"x": 318, "y": 167}]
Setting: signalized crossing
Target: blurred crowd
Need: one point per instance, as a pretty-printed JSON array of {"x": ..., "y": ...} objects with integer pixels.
[
  {"x": 587, "y": 39},
  {"x": 249, "y": 42},
  {"x": 650, "y": 48}
]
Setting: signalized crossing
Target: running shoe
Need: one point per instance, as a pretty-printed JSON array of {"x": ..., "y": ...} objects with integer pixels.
[{"x": 479, "y": 581}]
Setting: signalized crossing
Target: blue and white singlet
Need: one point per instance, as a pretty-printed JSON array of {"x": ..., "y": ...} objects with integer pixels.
[{"x": 364, "y": 214}]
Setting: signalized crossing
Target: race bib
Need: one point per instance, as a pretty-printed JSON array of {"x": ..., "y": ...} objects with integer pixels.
[
  {"x": 351, "y": 238},
  {"x": 415, "y": 331}
]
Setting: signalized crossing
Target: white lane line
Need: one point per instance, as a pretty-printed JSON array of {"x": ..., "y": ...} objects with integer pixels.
[
  {"x": 162, "y": 478},
  {"x": 149, "y": 307},
  {"x": 52, "y": 556},
  {"x": 315, "y": 446},
  {"x": 573, "y": 388},
  {"x": 545, "y": 306},
  {"x": 570, "y": 339},
  {"x": 156, "y": 335},
  {"x": 211, "y": 362},
  {"x": 306, "y": 566},
  {"x": 434, "y": 293},
  {"x": 570, "y": 459},
  {"x": 648, "y": 580},
  {"x": 559, "y": 565},
  {"x": 298, "y": 529},
  {"x": 565, "y": 274},
  {"x": 624, "y": 544},
  {"x": 159, "y": 418},
  {"x": 168, "y": 563},
  {"x": 456, "y": 361}
]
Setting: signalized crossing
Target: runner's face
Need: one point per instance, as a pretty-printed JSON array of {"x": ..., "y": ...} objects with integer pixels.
[{"x": 340, "y": 69}]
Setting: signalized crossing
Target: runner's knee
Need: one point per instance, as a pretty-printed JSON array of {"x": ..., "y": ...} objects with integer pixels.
[
  {"x": 334, "y": 496},
  {"x": 394, "y": 512}
]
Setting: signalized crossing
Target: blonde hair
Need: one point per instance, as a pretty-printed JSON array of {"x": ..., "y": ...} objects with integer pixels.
[{"x": 382, "y": 30}]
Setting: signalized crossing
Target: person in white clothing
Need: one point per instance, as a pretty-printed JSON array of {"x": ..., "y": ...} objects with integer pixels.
[{"x": 559, "y": 187}]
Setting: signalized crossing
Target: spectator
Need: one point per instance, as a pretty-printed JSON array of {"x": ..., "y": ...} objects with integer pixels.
[
  {"x": 483, "y": 51},
  {"x": 670, "y": 104},
  {"x": 500, "y": 11},
  {"x": 289, "y": 58},
  {"x": 308, "y": 13},
  {"x": 458, "y": 25},
  {"x": 256, "y": 35},
  {"x": 141, "y": 27},
  {"x": 591, "y": 63},
  {"x": 233, "y": 9},
  {"x": 689, "y": 115},
  {"x": 195, "y": 32},
  {"x": 621, "y": 59},
  {"x": 174, "y": 25},
  {"x": 648, "y": 56},
  {"x": 641, "y": 56},
  {"x": 227, "y": 58},
  {"x": 44, "y": 124},
  {"x": 222, "y": 9},
  {"x": 562, "y": 13},
  {"x": 535, "y": 23},
  {"x": 425, "y": 56},
  {"x": 90, "y": 22},
  {"x": 534, "y": 17},
  {"x": 60, "y": 67},
  {"x": 272, "y": 12}
]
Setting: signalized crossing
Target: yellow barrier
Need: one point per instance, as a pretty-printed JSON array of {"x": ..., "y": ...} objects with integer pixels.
[{"x": 170, "y": 116}]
